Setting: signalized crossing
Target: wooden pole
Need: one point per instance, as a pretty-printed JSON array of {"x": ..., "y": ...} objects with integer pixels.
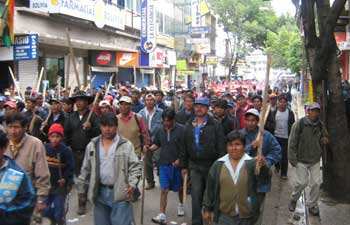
[
  {"x": 143, "y": 189},
  {"x": 15, "y": 82},
  {"x": 264, "y": 113},
  {"x": 184, "y": 189},
  {"x": 143, "y": 77},
  {"x": 67, "y": 72},
  {"x": 93, "y": 104},
  {"x": 109, "y": 85},
  {"x": 73, "y": 58},
  {"x": 135, "y": 76},
  {"x": 39, "y": 79}
]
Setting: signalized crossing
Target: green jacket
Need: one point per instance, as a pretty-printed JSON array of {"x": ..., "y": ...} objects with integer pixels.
[
  {"x": 127, "y": 168},
  {"x": 211, "y": 199},
  {"x": 305, "y": 142}
]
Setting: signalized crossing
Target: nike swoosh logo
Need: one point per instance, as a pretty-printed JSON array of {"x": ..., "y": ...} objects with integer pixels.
[{"x": 124, "y": 61}]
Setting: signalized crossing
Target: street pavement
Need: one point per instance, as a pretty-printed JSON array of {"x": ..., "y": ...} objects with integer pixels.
[
  {"x": 276, "y": 205},
  {"x": 152, "y": 198}
]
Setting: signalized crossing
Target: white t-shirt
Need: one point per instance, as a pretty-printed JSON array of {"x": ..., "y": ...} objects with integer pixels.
[{"x": 281, "y": 129}]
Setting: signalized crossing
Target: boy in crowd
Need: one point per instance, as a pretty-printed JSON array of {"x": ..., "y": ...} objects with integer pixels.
[
  {"x": 170, "y": 139},
  {"x": 61, "y": 166}
]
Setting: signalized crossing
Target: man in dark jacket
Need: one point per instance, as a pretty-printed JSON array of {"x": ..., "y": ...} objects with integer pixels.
[
  {"x": 187, "y": 112},
  {"x": 79, "y": 132},
  {"x": 279, "y": 123},
  {"x": 56, "y": 115},
  {"x": 137, "y": 104},
  {"x": 228, "y": 123},
  {"x": 204, "y": 143}
]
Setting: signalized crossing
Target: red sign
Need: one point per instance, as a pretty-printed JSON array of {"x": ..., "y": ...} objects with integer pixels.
[
  {"x": 339, "y": 37},
  {"x": 104, "y": 58},
  {"x": 159, "y": 58}
]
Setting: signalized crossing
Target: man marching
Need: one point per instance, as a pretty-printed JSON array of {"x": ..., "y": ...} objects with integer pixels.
[
  {"x": 110, "y": 174},
  {"x": 78, "y": 134}
]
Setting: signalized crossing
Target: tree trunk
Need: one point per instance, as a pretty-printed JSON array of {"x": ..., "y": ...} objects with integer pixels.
[{"x": 323, "y": 64}]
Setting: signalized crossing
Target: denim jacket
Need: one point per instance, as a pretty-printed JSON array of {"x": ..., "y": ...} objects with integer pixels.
[
  {"x": 156, "y": 122},
  {"x": 271, "y": 151}
]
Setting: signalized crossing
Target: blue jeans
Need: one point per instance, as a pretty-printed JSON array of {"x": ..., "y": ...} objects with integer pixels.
[
  {"x": 55, "y": 207},
  {"x": 109, "y": 212}
]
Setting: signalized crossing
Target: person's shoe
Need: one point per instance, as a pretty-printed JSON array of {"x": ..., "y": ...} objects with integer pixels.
[
  {"x": 292, "y": 206},
  {"x": 180, "y": 210},
  {"x": 150, "y": 186},
  {"x": 314, "y": 211},
  {"x": 160, "y": 219}
]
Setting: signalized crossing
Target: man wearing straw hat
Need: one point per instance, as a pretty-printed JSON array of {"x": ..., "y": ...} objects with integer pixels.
[{"x": 79, "y": 132}]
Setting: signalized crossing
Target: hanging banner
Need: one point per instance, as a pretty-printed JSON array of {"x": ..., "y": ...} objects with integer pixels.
[
  {"x": 148, "y": 26},
  {"x": 195, "y": 13}
]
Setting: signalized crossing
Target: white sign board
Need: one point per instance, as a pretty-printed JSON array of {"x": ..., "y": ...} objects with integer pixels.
[
  {"x": 197, "y": 41},
  {"x": 96, "y": 11}
]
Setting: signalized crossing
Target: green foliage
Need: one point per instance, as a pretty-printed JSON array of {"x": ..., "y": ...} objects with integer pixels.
[{"x": 285, "y": 46}]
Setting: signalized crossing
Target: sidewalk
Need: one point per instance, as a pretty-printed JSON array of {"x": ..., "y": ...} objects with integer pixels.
[{"x": 276, "y": 205}]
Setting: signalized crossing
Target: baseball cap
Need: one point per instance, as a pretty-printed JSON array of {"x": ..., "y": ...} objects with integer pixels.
[
  {"x": 2, "y": 99},
  {"x": 11, "y": 105},
  {"x": 104, "y": 103},
  {"x": 202, "y": 101},
  {"x": 314, "y": 105},
  {"x": 253, "y": 112},
  {"x": 56, "y": 128},
  {"x": 125, "y": 99},
  {"x": 7, "y": 93}
]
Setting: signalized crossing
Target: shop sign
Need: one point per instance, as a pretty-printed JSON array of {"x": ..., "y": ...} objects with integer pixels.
[
  {"x": 171, "y": 55},
  {"x": 152, "y": 60},
  {"x": 197, "y": 41},
  {"x": 96, "y": 11},
  {"x": 26, "y": 47},
  {"x": 344, "y": 46},
  {"x": 202, "y": 48},
  {"x": 103, "y": 58},
  {"x": 181, "y": 65},
  {"x": 166, "y": 41},
  {"x": 148, "y": 26},
  {"x": 211, "y": 60},
  {"x": 199, "y": 30},
  {"x": 127, "y": 59}
]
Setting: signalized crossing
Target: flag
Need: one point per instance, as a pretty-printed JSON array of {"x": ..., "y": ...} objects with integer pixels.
[{"x": 7, "y": 16}]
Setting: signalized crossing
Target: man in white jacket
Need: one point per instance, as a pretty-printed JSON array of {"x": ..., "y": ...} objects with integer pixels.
[{"x": 109, "y": 175}]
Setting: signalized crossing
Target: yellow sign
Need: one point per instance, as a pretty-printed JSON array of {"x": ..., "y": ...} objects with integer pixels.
[{"x": 166, "y": 41}]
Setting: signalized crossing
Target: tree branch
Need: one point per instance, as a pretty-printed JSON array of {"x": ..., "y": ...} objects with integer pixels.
[{"x": 336, "y": 9}]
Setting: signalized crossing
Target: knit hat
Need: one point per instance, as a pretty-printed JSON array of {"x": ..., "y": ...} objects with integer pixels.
[{"x": 56, "y": 128}]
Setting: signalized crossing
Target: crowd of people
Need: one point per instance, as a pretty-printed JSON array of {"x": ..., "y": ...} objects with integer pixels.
[{"x": 100, "y": 141}]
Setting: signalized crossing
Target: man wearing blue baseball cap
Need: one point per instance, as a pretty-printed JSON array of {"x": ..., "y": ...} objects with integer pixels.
[{"x": 204, "y": 143}]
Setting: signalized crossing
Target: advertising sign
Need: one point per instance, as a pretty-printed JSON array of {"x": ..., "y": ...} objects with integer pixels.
[
  {"x": 152, "y": 60},
  {"x": 165, "y": 40},
  {"x": 202, "y": 48},
  {"x": 148, "y": 26},
  {"x": 195, "y": 13},
  {"x": 26, "y": 47},
  {"x": 197, "y": 41},
  {"x": 127, "y": 59},
  {"x": 103, "y": 58},
  {"x": 198, "y": 30},
  {"x": 211, "y": 60},
  {"x": 95, "y": 11}
]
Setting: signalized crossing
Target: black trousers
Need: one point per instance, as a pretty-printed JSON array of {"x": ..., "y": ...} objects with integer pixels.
[
  {"x": 78, "y": 161},
  {"x": 199, "y": 177},
  {"x": 283, "y": 164}
]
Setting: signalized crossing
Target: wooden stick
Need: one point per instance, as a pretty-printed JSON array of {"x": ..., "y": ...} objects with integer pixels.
[
  {"x": 67, "y": 72},
  {"x": 93, "y": 105},
  {"x": 135, "y": 76},
  {"x": 39, "y": 79},
  {"x": 143, "y": 189},
  {"x": 109, "y": 85},
  {"x": 184, "y": 189},
  {"x": 73, "y": 58},
  {"x": 264, "y": 113},
  {"x": 15, "y": 82}
]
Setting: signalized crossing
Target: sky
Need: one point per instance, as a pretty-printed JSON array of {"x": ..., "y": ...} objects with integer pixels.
[{"x": 283, "y": 6}]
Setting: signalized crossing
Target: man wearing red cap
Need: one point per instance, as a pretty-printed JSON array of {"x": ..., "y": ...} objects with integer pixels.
[{"x": 61, "y": 166}]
